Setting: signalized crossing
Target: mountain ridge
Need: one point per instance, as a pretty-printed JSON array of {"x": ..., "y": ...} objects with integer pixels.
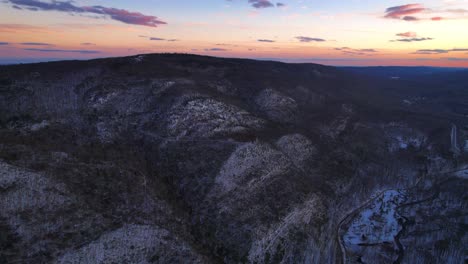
[{"x": 226, "y": 161}]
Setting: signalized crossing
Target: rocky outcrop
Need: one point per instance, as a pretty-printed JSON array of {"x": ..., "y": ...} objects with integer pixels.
[
  {"x": 133, "y": 244},
  {"x": 205, "y": 118},
  {"x": 276, "y": 106},
  {"x": 250, "y": 165},
  {"x": 254, "y": 191}
]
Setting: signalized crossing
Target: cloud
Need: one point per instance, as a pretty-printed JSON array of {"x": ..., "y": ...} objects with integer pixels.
[
  {"x": 407, "y": 34},
  {"x": 21, "y": 28},
  {"x": 456, "y": 59},
  {"x": 66, "y": 51},
  {"x": 87, "y": 44},
  {"x": 458, "y": 11},
  {"x": 261, "y": 3},
  {"x": 4, "y": 43},
  {"x": 438, "y": 51},
  {"x": 158, "y": 39},
  {"x": 412, "y": 39},
  {"x": 309, "y": 39},
  {"x": 404, "y": 12},
  {"x": 431, "y": 51},
  {"x": 121, "y": 15},
  {"x": 410, "y": 12},
  {"x": 410, "y": 18},
  {"x": 367, "y": 50},
  {"x": 35, "y": 44},
  {"x": 226, "y": 45},
  {"x": 360, "y": 52},
  {"x": 265, "y": 40},
  {"x": 215, "y": 49}
]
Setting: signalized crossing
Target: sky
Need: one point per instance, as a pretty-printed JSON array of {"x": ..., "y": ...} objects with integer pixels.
[{"x": 331, "y": 32}]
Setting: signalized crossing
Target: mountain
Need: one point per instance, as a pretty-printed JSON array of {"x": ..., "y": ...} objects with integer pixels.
[
  {"x": 403, "y": 72},
  {"x": 170, "y": 158}
]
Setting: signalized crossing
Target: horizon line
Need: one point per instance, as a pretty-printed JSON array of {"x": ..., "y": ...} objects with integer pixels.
[{"x": 9, "y": 61}]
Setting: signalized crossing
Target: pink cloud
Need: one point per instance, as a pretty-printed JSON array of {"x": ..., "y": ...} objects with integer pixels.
[
  {"x": 404, "y": 12},
  {"x": 121, "y": 15},
  {"x": 407, "y": 34}
]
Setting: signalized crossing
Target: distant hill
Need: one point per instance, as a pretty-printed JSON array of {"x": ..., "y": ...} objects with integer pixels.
[{"x": 403, "y": 72}]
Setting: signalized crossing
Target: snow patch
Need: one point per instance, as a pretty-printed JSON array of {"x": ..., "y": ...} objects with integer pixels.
[
  {"x": 401, "y": 137},
  {"x": 139, "y": 58},
  {"x": 39, "y": 126},
  {"x": 276, "y": 106},
  {"x": 377, "y": 223}
]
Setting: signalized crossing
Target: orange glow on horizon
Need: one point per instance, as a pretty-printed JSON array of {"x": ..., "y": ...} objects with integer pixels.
[{"x": 330, "y": 38}]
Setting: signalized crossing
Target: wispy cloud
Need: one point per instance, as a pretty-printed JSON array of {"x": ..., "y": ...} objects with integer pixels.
[
  {"x": 87, "y": 44},
  {"x": 309, "y": 39},
  {"x": 417, "y": 12},
  {"x": 216, "y": 49},
  {"x": 359, "y": 52},
  {"x": 265, "y": 40},
  {"x": 411, "y": 39},
  {"x": 261, "y": 3},
  {"x": 63, "y": 50},
  {"x": 404, "y": 12},
  {"x": 121, "y": 15},
  {"x": 407, "y": 34},
  {"x": 367, "y": 50},
  {"x": 35, "y": 44},
  {"x": 456, "y": 59},
  {"x": 158, "y": 38},
  {"x": 457, "y": 11},
  {"x": 4, "y": 43},
  {"x": 437, "y": 51},
  {"x": 431, "y": 51},
  {"x": 226, "y": 45},
  {"x": 21, "y": 28}
]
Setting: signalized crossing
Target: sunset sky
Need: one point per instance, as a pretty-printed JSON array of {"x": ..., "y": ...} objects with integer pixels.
[{"x": 333, "y": 32}]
